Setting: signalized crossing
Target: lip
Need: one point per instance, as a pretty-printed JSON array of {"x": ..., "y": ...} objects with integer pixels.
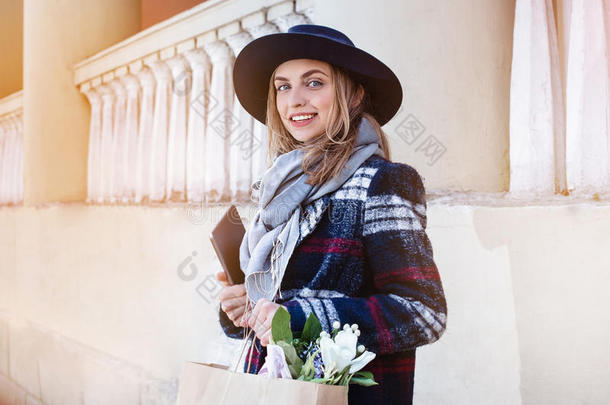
[
  {"x": 300, "y": 113},
  {"x": 298, "y": 124}
]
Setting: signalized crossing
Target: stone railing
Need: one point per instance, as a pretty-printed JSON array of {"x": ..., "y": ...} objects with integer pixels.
[
  {"x": 165, "y": 122},
  {"x": 11, "y": 149}
]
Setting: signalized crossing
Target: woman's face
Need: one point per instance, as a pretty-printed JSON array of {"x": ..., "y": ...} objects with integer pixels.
[{"x": 304, "y": 95}]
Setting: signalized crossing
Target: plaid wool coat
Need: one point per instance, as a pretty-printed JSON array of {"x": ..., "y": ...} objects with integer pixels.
[{"x": 364, "y": 257}]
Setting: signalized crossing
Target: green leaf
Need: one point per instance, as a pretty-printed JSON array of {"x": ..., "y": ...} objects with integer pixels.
[
  {"x": 367, "y": 382},
  {"x": 364, "y": 374},
  {"x": 312, "y": 328},
  {"x": 307, "y": 372},
  {"x": 294, "y": 372},
  {"x": 343, "y": 376},
  {"x": 295, "y": 364},
  {"x": 336, "y": 378},
  {"x": 320, "y": 380},
  {"x": 280, "y": 326}
]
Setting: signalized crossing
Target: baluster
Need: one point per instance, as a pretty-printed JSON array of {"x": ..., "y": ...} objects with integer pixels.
[
  {"x": 286, "y": 21},
  {"x": 19, "y": 177},
  {"x": 119, "y": 141},
  {"x": 106, "y": 143},
  {"x": 220, "y": 122},
  {"x": 145, "y": 136},
  {"x": 11, "y": 160},
  {"x": 260, "y": 132},
  {"x": 94, "y": 185},
  {"x": 197, "y": 119},
  {"x": 241, "y": 142},
  {"x": 176, "y": 147},
  {"x": 163, "y": 78},
  {"x": 130, "y": 153}
]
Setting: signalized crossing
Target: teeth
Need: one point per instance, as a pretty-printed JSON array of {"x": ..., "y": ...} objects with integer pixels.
[{"x": 302, "y": 117}]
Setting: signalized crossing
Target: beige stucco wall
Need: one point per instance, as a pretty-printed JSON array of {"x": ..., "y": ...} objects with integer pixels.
[
  {"x": 525, "y": 288},
  {"x": 57, "y": 35},
  {"x": 11, "y": 46},
  {"x": 453, "y": 61}
]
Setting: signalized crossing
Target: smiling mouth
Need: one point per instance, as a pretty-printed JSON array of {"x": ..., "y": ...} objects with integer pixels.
[
  {"x": 303, "y": 121},
  {"x": 302, "y": 117}
]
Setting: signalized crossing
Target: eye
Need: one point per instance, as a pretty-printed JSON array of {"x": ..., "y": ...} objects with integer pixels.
[
  {"x": 315, "y": 81},
  {"x": 280, "y": 87}
]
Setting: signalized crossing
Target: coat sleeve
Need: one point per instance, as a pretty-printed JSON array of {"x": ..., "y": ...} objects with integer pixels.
[
  {"x": 228, "y": 327},
  {"x": 406, "y": 306}
]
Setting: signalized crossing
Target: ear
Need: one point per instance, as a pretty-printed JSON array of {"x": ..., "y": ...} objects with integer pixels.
[{"x": 359, "y": 95}]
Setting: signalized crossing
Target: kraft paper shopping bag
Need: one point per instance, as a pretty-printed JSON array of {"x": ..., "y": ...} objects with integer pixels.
[{"x": 209, "y": 384}]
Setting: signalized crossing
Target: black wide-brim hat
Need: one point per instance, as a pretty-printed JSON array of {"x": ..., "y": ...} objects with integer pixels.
[{"x": 256, "y": 62}]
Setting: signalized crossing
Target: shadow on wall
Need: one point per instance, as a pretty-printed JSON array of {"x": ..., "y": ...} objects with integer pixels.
[{"x": 559, "y": 277}]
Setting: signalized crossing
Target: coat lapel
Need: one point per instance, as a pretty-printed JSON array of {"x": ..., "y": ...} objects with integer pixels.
[{"x": 311, "y": 215}]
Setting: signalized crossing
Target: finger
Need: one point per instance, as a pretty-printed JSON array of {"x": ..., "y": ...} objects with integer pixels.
[
  {"x": 232, "y": 303},
  {"x": 222, "y": 278},
  {"x": 253, "y": 319},
  {"x": 239, "y": 322},
  {"x": 265, "y": 338},
  {"x": 237, "y": 290},
  {"x": 244, "y": 318},
  {"x": 235, "y": 315}
]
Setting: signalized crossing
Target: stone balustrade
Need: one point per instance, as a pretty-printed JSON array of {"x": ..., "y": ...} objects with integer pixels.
[{"x": 165, "y": 122}]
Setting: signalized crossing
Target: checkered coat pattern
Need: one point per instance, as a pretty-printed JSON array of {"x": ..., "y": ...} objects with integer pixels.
[{"x": 363, "y": 257}]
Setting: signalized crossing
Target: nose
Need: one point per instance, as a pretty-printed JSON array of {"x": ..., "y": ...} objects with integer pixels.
[{"x": 297, "y": 97}]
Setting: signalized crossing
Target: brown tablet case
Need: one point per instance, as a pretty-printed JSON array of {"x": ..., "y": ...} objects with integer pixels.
[{"x": 226, "y": 238}]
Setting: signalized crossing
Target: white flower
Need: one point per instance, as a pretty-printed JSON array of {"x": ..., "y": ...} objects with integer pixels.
[
  {"x": 357, "y": 332},
  {"x": 346, "y": 327},
  {"x": 355, "y": 327},
  {"x": 341, "y": 352},
  {"x": 359, "y": 362},
  {"x": 336, "y": 325},
  {"x": 360, "y": 348}
]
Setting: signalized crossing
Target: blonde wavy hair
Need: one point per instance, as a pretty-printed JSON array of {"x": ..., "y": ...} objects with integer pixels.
[{"x": 326, "y": 155}]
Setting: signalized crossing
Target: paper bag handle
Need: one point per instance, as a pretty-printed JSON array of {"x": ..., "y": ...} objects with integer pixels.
[{"x": 246, "y": 340}]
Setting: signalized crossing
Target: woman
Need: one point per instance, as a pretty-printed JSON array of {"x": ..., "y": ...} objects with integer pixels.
[{"x": 340, "y": 229}]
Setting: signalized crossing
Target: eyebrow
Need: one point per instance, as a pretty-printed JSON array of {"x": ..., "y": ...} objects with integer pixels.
[{"x": 304, "y": 75}]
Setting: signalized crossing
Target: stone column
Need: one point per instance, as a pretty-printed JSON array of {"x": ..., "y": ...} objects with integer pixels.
[
  {"x": 56, "y": 36},
  {"x": 536, "y": 104},
  {"x": 588, "y": 97}
]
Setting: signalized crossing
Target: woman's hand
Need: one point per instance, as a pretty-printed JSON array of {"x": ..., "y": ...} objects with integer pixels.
[
  {"x": 232, "y": 300},
  {"x": 260, "y": 319}
]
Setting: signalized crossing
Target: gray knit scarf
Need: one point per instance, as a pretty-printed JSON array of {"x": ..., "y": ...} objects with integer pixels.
[{"x": 273, "y": 233}]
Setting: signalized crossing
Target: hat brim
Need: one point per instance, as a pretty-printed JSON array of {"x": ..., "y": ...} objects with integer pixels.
[{"x": 257, "y": 61}]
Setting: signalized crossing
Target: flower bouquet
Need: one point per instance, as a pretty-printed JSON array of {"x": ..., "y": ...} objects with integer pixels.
[{"x": 315, "y": 355}]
